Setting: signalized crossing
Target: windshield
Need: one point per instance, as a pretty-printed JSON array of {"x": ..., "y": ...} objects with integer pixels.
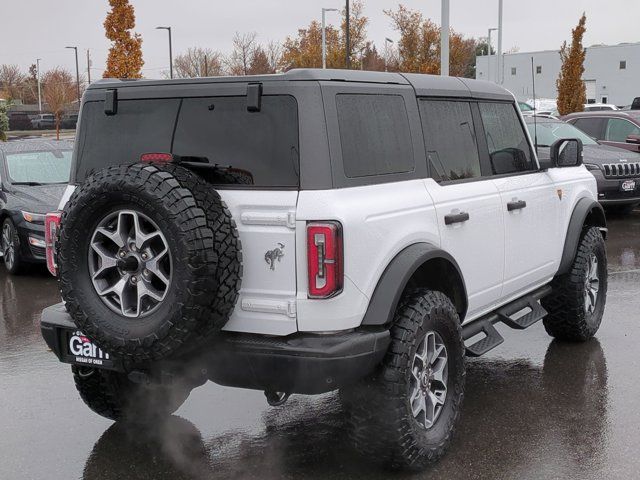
[
  {"x": 39, "y": 167},
  {"x": 549, "y": 132}
]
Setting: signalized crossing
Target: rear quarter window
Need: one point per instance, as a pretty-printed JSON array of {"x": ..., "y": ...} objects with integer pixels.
[{"x": 374, "y": 135}]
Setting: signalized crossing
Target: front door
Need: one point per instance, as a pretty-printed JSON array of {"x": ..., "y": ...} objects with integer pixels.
[{"x": 528, "y": 201}]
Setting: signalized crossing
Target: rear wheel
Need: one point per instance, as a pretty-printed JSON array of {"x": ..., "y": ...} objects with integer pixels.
[
  {"x": 405, "y": 415},
  {"x": 114, "y": 396},
  {"x": 10, "y": 243}
]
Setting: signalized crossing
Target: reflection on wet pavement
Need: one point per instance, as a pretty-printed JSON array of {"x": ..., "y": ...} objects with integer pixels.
[{"x": 534, "y": 408}]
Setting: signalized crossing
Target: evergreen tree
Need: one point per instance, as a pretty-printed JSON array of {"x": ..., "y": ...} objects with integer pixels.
[
  {"x": 572, "y": 94},
  {"x": 125, "y": 54}
]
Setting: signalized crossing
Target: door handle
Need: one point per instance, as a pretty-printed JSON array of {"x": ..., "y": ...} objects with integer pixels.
[
  {"x": 516, "y": 205},
  {"x": 456, "y": 218}
]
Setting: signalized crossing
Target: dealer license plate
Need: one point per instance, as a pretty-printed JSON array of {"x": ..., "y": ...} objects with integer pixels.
[
  {"x": 628, "y": 186},
  {"x": 84, "y": 352}
]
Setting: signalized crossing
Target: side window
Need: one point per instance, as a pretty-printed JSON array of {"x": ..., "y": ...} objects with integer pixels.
[
  {"x": 509, "y": 150},
  {"x": 618, "y": 129},
  {"x": 450, "y": 140},
  {"x": 374, "y": 135},
  {"x": 590, "y": 126}
]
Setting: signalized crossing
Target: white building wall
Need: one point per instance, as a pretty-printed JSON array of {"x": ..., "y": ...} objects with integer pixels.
[{"x": 602, "y": 65}]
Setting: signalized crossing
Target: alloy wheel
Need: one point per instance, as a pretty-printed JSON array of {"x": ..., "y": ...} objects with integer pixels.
[
  {"x": 130, "y": 263},
  {"x": 429, "y": 373},
  {"x": 591, "y": 285}
]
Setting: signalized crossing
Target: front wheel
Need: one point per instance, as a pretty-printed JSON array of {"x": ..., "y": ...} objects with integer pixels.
[
  {"x": 576, "y": 304},
  {"x": 10, "y": 243},
  {"x": 114, "y": 396},
  {"x": 405, "y": 415}
]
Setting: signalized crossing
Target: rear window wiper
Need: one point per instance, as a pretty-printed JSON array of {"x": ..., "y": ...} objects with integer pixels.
[{"x": 30, "y": 184}]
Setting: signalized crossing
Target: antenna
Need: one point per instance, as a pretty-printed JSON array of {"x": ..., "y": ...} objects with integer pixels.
[{"x": 535, "y": 122}]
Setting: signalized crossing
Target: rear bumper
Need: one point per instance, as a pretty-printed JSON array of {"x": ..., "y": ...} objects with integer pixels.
[{"x": 299, "y": 363}]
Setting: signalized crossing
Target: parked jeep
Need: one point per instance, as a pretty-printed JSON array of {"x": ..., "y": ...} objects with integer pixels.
[{"x": 313, "y": 231}]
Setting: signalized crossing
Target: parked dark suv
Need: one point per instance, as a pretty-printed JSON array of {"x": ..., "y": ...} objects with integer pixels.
[
  {"x": 617, "y": 171},
  {"x": 615, "y": 128}
]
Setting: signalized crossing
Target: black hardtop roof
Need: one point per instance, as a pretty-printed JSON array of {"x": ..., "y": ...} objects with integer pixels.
[{"x": 422, "y": 83}]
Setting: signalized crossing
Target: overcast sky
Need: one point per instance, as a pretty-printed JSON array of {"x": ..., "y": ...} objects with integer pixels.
[{"x": 42, "y": 28}]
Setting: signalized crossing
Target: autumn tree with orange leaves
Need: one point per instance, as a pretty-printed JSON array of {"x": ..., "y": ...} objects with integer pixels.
[
  {"x": 572, "y": 93},
  {"x": 305, "y": 50},
  {"x": 125, "y": 54},
  {"x": 419, "y": 45}
]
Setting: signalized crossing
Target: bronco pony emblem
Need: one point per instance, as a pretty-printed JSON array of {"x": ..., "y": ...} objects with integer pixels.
[{"x": 272, "y": 255}]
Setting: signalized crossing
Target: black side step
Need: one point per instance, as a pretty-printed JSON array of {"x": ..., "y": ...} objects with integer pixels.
[{"x": 485, "y": 325}]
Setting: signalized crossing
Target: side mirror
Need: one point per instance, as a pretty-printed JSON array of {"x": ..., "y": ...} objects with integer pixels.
[
  {"x": 635, "y": 139},
  {"x": 566, "y": 152}
]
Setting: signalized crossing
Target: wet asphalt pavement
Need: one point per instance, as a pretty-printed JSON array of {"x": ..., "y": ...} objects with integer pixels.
[{"x": 534, "y": 408}]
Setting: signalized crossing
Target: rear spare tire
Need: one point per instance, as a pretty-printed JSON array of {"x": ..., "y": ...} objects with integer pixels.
[{"x": 149, "y": 260}]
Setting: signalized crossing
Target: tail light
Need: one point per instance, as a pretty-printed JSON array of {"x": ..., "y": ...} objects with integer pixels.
[
  {"x": 324, "y": 257},
  {"x": 156, "y": 157},
  {"x": 51, "y": 227}
]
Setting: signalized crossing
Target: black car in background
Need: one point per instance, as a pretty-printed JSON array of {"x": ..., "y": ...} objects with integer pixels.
[
  {"x": 33, "y": 177},
  {"x": 617, "y": 170}
]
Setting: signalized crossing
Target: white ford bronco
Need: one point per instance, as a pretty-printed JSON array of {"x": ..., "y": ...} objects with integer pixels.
[{"x": 312, "y": 231}]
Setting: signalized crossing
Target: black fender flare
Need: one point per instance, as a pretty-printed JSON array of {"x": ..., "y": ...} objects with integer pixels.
[
  {"x": 586, "y": 207},
  {"x": 395, "y": 278}
]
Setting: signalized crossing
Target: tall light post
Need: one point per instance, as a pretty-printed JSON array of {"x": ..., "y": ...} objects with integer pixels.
[
  {"x": 77, "y": 73},
  {"x": 38, "y": 79},
  {"x": 444, "y": 39},
  {"x": 347, "y": 50},
  {"x": 88, "y": 67},
  {"x": 387, "y": 41},
  {"x": 489, "y": 53},
  {"x": 168, "y": 29},
  {"x": 324, "y": 35},
  {"x": 499, "y": 59}
]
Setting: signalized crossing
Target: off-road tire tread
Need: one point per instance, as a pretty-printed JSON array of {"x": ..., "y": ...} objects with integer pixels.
[
  {"x": 113, "y": 396},
  {"x": 566, "y": 319}
]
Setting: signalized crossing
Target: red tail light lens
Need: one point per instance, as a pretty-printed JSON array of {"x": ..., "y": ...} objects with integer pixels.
[
  {"x": 51, "y": 227},
  {"x": 324, "y": 257},
  {"x": 156, "y": 157}
]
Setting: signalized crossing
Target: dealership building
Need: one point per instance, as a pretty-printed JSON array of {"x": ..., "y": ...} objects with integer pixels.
[{"x": 611, "y": 73}]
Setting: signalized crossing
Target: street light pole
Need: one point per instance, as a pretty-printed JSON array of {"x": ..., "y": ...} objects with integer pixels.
[
  {"x": 489, "y": 53},
  {"x": 75, "y": 49},
  {"x": 170, "y": 51},
  {"x": 38, "y": 78},
  {"x": 387, "y": 41},
  {"x": 324, "y": 35},
  {"x": 444, "y": 39},
  {"x": 348, "y": 37},
  {"x": 88, "y": 67},
  {"x": 499, "y": 59}
]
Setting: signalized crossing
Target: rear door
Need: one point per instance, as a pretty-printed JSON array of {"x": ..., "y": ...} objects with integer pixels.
[
  {"x": 261, "y": 147},
  {"x": 467, "y": 202}
]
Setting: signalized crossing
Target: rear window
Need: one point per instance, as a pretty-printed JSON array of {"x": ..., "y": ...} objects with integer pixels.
[
  {"x": 262, "y": 146},
  {"x": 264, "y": 143},
  {"x": 140, "y": 126},
  {"x": 374, "y": 134}
]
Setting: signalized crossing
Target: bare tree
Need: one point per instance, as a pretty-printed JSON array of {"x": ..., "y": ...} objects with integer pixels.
[
  {"x": 198, "y": 62},
  {"x": 239, "y": 61},
  {"x": 11, "y": 79},
  {"x": 58, "y": 92},
  {"x": 273, "y": 50}
]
